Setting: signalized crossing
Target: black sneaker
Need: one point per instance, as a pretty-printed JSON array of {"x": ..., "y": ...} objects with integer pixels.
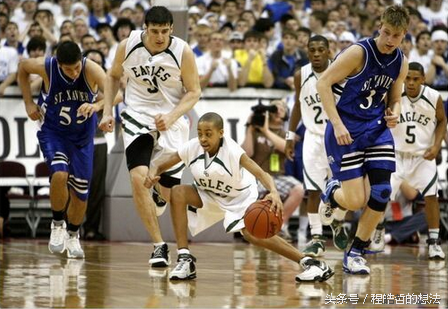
[
  {"x": 160, "y": 257},
  {"x": 185, "y": 268},
  {"x": 159, "y": 201}
]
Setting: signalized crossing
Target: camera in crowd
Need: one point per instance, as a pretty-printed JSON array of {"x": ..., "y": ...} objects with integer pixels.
[{"x": 260, "y": 113}]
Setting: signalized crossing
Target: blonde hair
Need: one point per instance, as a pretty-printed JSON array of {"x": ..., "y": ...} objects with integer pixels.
[{"x": 397, "y": 16}]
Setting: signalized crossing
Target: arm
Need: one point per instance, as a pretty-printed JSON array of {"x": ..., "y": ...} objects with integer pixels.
[
  {"x": 394, "y": 97},
  {"x": 268, "y": 78},
  {"x": 348, "y": 63},
  {"x": 111, "y": 87},
  {"x": 27, "y": 67},
  {"x": 244, "y": 72},
  {"x": 95, "y": 77},
  {"x": 189, "y": 75},
  {"x": 232, "y": 83},
  {"x": 266, "y": 180},
  {"x": 248, "y": 143},
  {"x": 153, "y": 176},
  {"x": 296, "y": 115},
  {"x": 432, "y": 152},
  {"x": 437, "y": 61},
  {"x": 7, "y": 82},
  {"x": 205, "y": 79}
]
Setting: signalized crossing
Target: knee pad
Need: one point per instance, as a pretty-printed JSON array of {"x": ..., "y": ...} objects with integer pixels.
[{"x": 379, "y": 196}]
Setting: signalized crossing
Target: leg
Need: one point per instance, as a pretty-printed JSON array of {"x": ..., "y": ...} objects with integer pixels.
[
  {"x": 181, "y": 196},
  {"x": 58, "y": 198},
  {"x": 75, "y": 215},
  {"x": 352, "y": 194},
  {"x": 292, "y": 202},
  {"x": 316, "y": 247},
  {"x": 432, "y": 211}
]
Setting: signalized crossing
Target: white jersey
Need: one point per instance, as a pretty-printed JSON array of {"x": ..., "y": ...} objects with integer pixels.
[
  {"x": 154, "y": 83},
  {"x": 415, "y": 131},
  {"x": 313, "y": 114}
]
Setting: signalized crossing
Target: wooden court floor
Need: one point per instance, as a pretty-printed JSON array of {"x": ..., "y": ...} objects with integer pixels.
[{"x": 116, "y": 275}]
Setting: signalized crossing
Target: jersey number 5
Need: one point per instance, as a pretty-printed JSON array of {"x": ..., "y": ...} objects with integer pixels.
[
  {"x": 410, "y": 139},
  {"x": 67, "y": 119}
]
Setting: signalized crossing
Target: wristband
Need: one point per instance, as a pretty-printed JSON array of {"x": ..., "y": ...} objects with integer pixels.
[{"x": 290, "y": 136}]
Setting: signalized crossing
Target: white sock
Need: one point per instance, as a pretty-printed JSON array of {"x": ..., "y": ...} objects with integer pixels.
[
  {"x": 303, "y": 224},
  {"x": 183, "y": 251},
  {"x": 433, "y": 233},
  {"x": 315, "y": 224},
  {"x": 339, "y": 214},
  {"x": 387, "y": 238}
]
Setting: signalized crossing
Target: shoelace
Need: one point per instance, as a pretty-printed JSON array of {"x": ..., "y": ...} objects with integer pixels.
[
  {"x": 359, "y": 260},
  {"x": 181, "y": 264},
  {"x": 73, "y": 244},
  {"x": 328, "y": 211},
  {"x": 377, "y": 236},
  {"x": 158, "y": 251},
  {"x": 58, "y": 235}
]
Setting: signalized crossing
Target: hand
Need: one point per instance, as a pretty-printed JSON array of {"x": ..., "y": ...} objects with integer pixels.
[
  {"x": 391, "y": 118},
  {"x": 215, "y": 64},
  {"x": 107, "y": 124},
  {"x": 163, "y": 122},
  {"x": 438, "y": 61},
  {"x": 289, "y": 149},
  {"x": 431, "y": 153},
  {"x": 276, "y": 203},
  {"x": 251, "y": 54},
  {"x": 87, "y": 109},
  {"x": 227, "y": 62},
  {"x": 34, "y": 112},
  {"x": 342, "y": 135},
  {"x": 265, "y": 128},
  {"x": 150, "y": 179},
  {"x": 290, "y": 82}
]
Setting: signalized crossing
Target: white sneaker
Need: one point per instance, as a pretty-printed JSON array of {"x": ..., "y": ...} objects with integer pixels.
[
  {"x": 378, "y": 243},
  {"x": 355, "y": 264},
  {"x": 435, "y": 252},
  {"x": 314, "y": 270},
  {"x": 73, "y": 245},
  {"x": 159, "y": 201},
  {"x": 185, "y": 268},
  {"x": 57, "y": 238},
  {"x": 326, "y": 213}
]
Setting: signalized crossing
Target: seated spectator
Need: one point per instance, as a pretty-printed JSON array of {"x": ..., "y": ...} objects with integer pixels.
[
  {"x": 423, "y": 53},
  {"x": 202, "y": 37},
  {"x": 67, "y": 27},
  {"x": 406, "y": 45},
  {"x": 303, "y": 36},
  {"x": 36, "y": 48},
  {"x": 236, "y": 41},
  {"x": 45, "y": 19},
  {"x": 122, "y": 29},
  {"x": 345, "y": 40},
  {"x": 99, "y": 13},
  {"x": 9, "y": 60},
  {"x": 265, "y": 144},
  {"x": 12, "y": 38},
  {"x": 437, "y": 75},
  {"x": 283, "y": 63},
  {"x": 214, "y": 69},
  {"x": 88, "y": 42},
  {"x": 254, "y": 70},
  {"x": 105, "y": 32}
]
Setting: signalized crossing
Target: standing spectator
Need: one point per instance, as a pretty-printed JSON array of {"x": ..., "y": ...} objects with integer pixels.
[
  {"x": 435, "y": 12},
  {"x": 12, "y": 38},
  {"x": 29, "y": 7},
  {"x": 9, "y": 60},
  {"x": 87, "y": 42},
  {"x": 236, "y": 41},
  {"x": 99, "y": 13},
  {"x": 105, "y": 32},
  {"x": 214, "y": 69},
  {"x": 406, "y": 45},
  {"x": 345, "y": 40},
  {"x": 303, "y": 35},
  {"x": 122, "y": 29},
  {"x": 283, "y": 63},
  {"x": 437, "y": 75},
  {"x": 422, "y": 53},
  {"x": 202, "y": 37},
  {"x": 66, "y": 12},
  {"x": 252, "y": 59}
]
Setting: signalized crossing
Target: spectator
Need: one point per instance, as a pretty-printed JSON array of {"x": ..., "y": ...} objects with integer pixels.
[
  {"x": 9, "y": 60},
  {"x": 81, "y": 28},
  {"x": 249, "y": 16},
  {"x": 406, "y": 45},
  {"x": 29, "y": 7},
  {"x": 435, "y": 12},
  {"x": 346, "y": 39},
  {"x": 67, "y": 27},
  {"x": 267, "y": 28},
  {"x": 423, "y": 53},
  {"x": 87, "y": 42},
  {"x": 283, "y": 63},
  {"x": 230, "y": 12},
  {"x": 122, "y": 29},
  {"x": 12, "y": 38},
  {"x": 202, "y": 37},
  {"x": 236, "y": 41},
  {"x": 303, "y": 35},
  {"x": 252, "y": 60},
  {"x": 4, "y": 20},
  {"x": 36, "y": 48},
  {"x": 46, "y": 21},
  {"x": 437, "y": 75},
  {"x": 66, "y": 12},
  {"x": 105, "y": 32},
  {"x": 214, "y": 69},
  {"x": 100, "y": 13}
]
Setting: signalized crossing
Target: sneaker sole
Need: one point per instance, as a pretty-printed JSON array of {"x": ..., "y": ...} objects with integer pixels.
[
  {"x": 361, "y": 272},
  {"x": 74, "y": 256},
  {"x": 191, "y": 276},
  {"x": 159, "y": 263},
  {"x": 436, "y": 258},
  {"x": 56, "y": 251},
  {"x": 312, "y": 254},
  {"x": 325, "y": 277}
]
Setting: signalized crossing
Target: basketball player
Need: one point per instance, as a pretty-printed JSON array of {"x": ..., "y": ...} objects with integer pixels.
[
  {"x": 418, "y": 139},
  {"x": 224, "y": 187},
  {"x": 163, "y": 85},
  {"x": 358, "y": 140},
  {"x": 316, "y": 168},
  {"x": 67, "y": 126}
]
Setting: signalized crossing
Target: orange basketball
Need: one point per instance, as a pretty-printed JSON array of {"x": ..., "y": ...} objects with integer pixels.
[{"x": 260, "y": 222}]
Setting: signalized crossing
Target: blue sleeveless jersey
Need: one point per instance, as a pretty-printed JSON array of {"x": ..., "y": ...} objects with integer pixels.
[
  {"x": 61, "y": 103},
  {"x": 360, "y": 99}
]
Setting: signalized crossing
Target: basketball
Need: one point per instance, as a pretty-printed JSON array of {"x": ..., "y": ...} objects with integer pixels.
[{"x": 260, "y": 222}]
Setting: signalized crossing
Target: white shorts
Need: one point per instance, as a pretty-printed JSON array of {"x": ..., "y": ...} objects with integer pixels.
[
  {"x": 421, "y": 174},
  {"x": 215, "y": 208},
  {"x": 315, "y": 163},
  {"x": 167, "y": 143}
]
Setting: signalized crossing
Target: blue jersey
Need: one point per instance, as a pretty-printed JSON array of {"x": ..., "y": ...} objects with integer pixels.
[
  {"x": 60, "y": 105},
  {"x": 360, "y": 98}
]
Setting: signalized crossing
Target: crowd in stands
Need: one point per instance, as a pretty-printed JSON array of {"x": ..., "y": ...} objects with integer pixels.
[{"x": 238, "y": 43}]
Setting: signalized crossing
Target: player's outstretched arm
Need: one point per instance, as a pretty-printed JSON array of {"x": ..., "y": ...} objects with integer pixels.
[
  {"x": 296, "y": 115},
  {"x": 111, "y": 87},
  {"x": 266, "y": 180},
  {"x": 27, "y": 67},
  {"x": 350, "y": 62}
]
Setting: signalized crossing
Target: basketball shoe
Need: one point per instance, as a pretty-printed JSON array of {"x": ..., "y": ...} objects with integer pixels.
[
  {"x": 378, "y": 243},
  {"x": 354, "y": 263},
  {"x": 57, "y": 237},
  {"x": 316, "y": 246},
  {"x": 435, "y": 252},
  {"x": 185, "y": 268},
  {"x": 314, "y": 270},
  {"x": 159, "y": 201},
  {"x": 160, "y": 257},
  {"x": 340, "y": 236},
  {"x": 326, "y": 210},
  {"x": 73, "y": 245}
]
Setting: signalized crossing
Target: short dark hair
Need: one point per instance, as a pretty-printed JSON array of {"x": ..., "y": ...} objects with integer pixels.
[
  {"x": 213, "y": 118},
  {"x": 158, "y": 15},
  {"x": 102, "y": 26},
  {"x": 36, "y": 43},
  {"x": 68, "y": 53},
  {"x": 415, "y": 66},
  {"x": 122, "y": 22},
  {"x": 319, "y": 38},
  {"x": 421, "y": 34},
  {"x": 96, "y": 51}
]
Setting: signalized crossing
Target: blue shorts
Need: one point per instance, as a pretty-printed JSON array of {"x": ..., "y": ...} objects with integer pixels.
[
  {"x": 63, "y": 155},
  {"x": 367, "y": 152}
]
